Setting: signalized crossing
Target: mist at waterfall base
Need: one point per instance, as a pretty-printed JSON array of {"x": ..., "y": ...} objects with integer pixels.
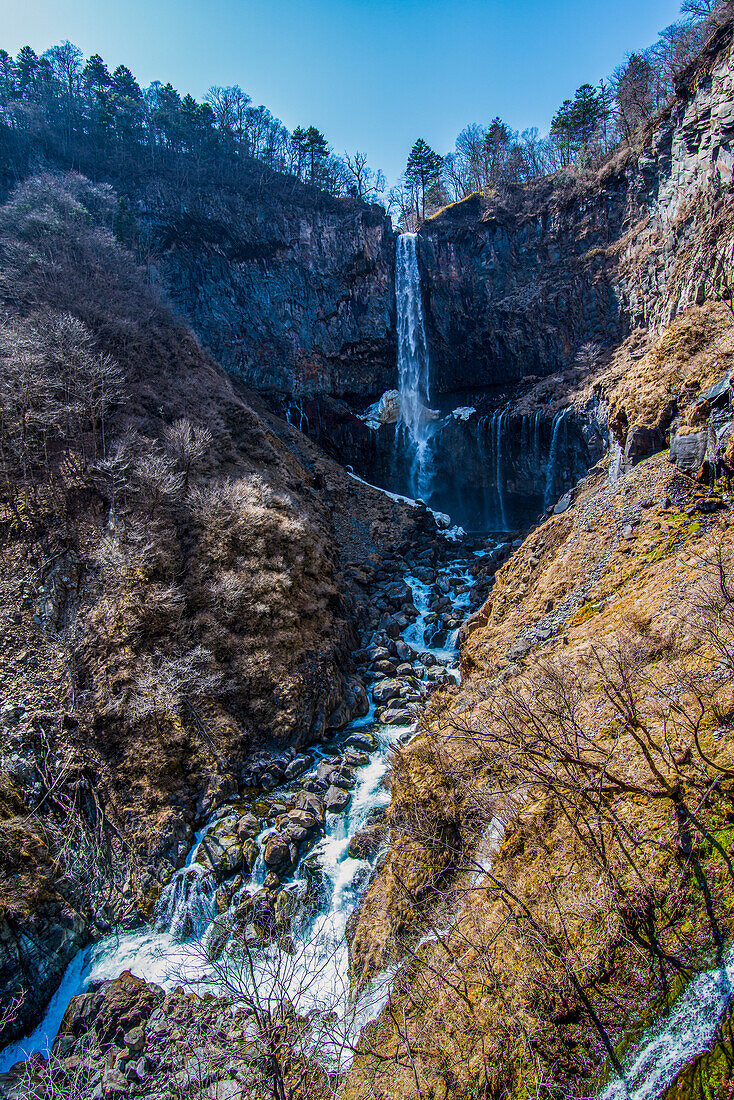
[
  {"x": 468, "y": 455},
  {"x": 493, "y": 471}
]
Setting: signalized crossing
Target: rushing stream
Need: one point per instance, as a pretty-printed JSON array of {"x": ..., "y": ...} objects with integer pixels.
[
  {"x": 177, "y": 947},
  {"x": 687, "y": 1029}
]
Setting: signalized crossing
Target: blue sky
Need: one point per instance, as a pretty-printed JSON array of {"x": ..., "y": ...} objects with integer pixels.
[{"x": 372, "y": 74}]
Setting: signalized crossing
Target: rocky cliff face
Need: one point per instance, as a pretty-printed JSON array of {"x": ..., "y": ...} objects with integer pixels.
[
  {"x": 290, "y": 288},
  {"x": 514, "y": 285},
  {"x": 509, "y": 287}
]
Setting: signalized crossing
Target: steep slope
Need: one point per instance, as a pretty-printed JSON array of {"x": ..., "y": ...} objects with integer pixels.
[
  {"x": 560, "y": 830},
  {"x": 174, "y": 598}
]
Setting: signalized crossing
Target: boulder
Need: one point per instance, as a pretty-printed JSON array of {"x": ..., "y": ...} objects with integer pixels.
[
  {"x": 688, "y": 450},
  {"x": 222, "y": 855},
  {"x": 310, "y": 802},
  {"x": 363, "y": 741},
  {"x": 247, "y": 826},
  {"x": 384, "y": 411},
  {"x": 277, "y": 853},
  {"x": 385, "y": 690},
  {"x": 641, "y": 442},
  {"x": 336, "y": 800},
  {"x": 298, "y": 766},
  {"x": 342, "y": 777}
]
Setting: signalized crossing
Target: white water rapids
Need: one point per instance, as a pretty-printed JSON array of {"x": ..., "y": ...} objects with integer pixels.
[
  {"x": 687, "y": 1029},
  {"x": 174, "y": 949}
]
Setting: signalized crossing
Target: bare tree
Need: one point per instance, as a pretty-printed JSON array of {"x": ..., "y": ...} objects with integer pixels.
[
  {"x": 159, "y": 480},
  {"x": 188, "y": 443}
]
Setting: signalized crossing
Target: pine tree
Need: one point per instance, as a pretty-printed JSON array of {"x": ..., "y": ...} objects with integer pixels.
[
  {"x": 422, "y": 172},
  {"x": 317, "y": 151}
]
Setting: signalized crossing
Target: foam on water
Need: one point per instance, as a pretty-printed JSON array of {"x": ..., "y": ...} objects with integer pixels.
[
  {"x": 172, "y": 950},
  {"x": 688, "y": 1029}
]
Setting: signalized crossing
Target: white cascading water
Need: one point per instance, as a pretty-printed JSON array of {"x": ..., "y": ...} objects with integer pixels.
[
  {"x": 413, "y": 365},
  {"x": 500, "y": 469},
  {"x": 536, "y": 440},
  {"x": 559, "y": 421},
  {"x": 186, "y": 905},
  {"x": 177, "y": 947},
  {"x": 688, "y": 1029}
]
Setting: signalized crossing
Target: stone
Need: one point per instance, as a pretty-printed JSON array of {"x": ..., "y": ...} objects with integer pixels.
[
  {"x": 363, "y": 741},
  {"x": 134, "y": 1040},
  {"x": 384, "y": 411},
  {"x": 307, "y": 800},
  {"x": 247, "y": 826},
  {"x": 222, "y": 855},
  {"x": 385, "y": 690},
  {"x": 298, "y": 766},
  {"x": 709, "y": 505},
  {"x": 343, "y": 778},
  {"x": 642, "y": 442},
  {"x": 688, "y": 451},
  {"x": 114, "y": 1082},
  {"x": 718, "y": 392},
  {"x": 336, "y": 800},
  {"x": 277, "y": 853},
  {"x": 405, "y": 652}
]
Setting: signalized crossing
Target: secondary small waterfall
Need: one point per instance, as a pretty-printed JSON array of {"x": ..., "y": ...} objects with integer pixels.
[
  {"x": 413, "y": 364},
  {"x": 186, "y": 905},
  {"x": 536, "y": 438},
  {"x": 688, "y": 1029},
  {"x": 552, "y": 476},
  {"x": 499, "y": 468}
]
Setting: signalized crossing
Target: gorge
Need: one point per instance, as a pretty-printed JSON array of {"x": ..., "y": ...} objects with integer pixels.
[{"x": 368, "y": 634}]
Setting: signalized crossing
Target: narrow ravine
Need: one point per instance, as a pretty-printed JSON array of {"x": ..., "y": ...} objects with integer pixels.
[{"x": 194, "y": 938}]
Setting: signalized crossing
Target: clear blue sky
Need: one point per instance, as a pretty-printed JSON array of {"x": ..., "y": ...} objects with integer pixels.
[{"x": 372, "y": 74}]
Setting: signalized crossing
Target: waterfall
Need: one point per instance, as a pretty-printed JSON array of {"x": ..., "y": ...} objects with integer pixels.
[
  {"x": 413, "y": 367},
  {"x": 499, "y": 468},
  {"x": 688, "y": 1029},
  {"x": 551, "y": 476},
  {"x": 536, "y": 441},
  {"x": 185, "y": 906}
]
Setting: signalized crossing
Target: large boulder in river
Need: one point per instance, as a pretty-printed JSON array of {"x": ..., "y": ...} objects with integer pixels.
[
  {"x": 222, "y": 855},
  {"x": 336, "y": 800},
  {"x": 385, "y": 690},
  {"x": 310, "y": 802},
  {"x": 280, "y": 851},
  {"x": 128, "y": 1002},
  {"x": 362, "y": 741}
]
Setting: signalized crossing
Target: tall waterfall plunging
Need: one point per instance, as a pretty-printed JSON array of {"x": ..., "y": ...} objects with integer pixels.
[{"x": 413, "y": 365}]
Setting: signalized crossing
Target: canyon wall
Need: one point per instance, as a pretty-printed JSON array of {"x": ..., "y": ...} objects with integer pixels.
[
  {"x": 516, "y": 283},
  {"x": 289, "y": 287}
]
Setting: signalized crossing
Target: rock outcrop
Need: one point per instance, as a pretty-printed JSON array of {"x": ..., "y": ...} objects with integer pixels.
[
  {"x": 291, "y": 289},
  {"x": 516, "y": 283}
]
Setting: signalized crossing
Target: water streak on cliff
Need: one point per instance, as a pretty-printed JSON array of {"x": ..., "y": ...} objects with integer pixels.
[
  {"x": 413, "y": 365},
  {"x": 559, "y": 422}
]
